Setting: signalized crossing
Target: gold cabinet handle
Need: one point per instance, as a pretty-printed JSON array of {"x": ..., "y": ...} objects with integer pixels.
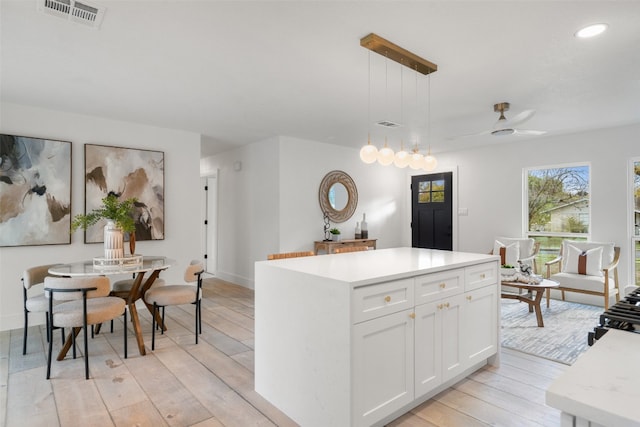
[
  {"x": 443, "y": 285},
  {"x": 446, "y": 305},
  {"x": 387, "y": 298},
  {"x": 412, "y": 315},
  {"x": 469, "y": 297},
  {"x": 482, "y": 276},
  {"x": 439, "y": 306}
]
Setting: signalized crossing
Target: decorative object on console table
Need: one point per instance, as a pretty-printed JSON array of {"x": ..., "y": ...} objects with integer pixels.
[
  {"x": 119, "y": 216},
  {"x": 358, "y": 233},
  {"x": 327, "y": 226},
  {"x": 335, "y": 234},
  {"x": 364, "y": 228}
]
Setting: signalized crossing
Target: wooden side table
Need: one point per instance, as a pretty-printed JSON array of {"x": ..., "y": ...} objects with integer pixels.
[{"x": 329, "y": 246}]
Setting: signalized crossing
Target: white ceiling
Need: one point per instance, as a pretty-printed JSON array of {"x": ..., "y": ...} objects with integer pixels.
[{"x": 239, "y": 72}]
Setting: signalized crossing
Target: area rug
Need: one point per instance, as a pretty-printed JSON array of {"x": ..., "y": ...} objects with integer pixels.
[{"x": 563, "y": 337}]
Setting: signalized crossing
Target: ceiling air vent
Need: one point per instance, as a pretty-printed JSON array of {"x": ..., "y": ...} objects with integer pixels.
[
  {"x": 81, "y": 12},
  {"x": 388, "y": 124}
]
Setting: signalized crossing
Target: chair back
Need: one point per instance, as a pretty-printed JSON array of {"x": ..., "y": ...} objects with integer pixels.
[
  {"x": 608, "y": 250},
  {"x": 69, "y": 287},
  {"x": 35, "y": 275},
  {"x": 193, "y": 271},
  {"x": 350, "y": 249},
  {"x": 526, "y": 245},
  {"x": 289, "y": 255}
]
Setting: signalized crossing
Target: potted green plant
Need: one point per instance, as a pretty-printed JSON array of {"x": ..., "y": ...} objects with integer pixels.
[
  {"x": 335, "y": 234},
  {"x": 119, "y": 216}
]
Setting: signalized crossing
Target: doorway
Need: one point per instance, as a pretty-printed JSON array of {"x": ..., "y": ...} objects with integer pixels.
[
  {"x": 432, "y": 211},
  {"x": 210, "y": 223}
]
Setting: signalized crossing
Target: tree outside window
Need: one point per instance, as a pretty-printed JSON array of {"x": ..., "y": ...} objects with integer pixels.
[{"x": 558, "y": 201}]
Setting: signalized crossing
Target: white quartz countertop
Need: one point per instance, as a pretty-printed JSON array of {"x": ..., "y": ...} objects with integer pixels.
[
  {"x": 363, "y": 268},
  {"x": 602, "y": 385}
]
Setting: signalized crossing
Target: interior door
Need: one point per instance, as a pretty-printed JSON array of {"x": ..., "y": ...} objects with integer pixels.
[
  {"x": 432, "y": 211},
  {"x": 212, "y": 225}
]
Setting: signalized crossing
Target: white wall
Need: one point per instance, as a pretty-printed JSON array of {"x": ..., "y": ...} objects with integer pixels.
[
  {"x": 275, "y": 195},
  {"x": 490, "y": 186},
  {"x": 182, "y": 215},
  {"x": 303, "y": 164}
]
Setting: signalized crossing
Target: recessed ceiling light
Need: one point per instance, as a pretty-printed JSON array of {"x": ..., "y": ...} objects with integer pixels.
[{"x": 591, "y": 31}]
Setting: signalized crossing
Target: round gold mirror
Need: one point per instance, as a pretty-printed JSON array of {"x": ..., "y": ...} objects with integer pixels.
[{"x": 338, "y": 196}]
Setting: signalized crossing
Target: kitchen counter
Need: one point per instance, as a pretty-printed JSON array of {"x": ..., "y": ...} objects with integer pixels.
[
  {"x": 366, "y": 267},
  {"x": 602, "y": 385}
]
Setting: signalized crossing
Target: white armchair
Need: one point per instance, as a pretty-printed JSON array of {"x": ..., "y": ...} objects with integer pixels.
[
  {"x": 587, "y": 268},
  {"x": 526, "y": 250}
]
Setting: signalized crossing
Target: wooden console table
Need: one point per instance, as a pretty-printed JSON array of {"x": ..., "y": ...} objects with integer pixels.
[{"x": 329, "y": 246}]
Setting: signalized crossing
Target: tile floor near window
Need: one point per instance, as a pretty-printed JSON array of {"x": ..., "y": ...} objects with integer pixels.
[{"x": 211, "y": 384}]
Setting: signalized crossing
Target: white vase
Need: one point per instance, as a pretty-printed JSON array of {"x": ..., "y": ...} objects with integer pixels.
[{"x": 113, "y": 241}]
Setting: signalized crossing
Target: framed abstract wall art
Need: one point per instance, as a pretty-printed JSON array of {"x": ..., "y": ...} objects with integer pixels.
[
  {"x": 126, "y": 173},
  {"x": 35, "y": 191}
]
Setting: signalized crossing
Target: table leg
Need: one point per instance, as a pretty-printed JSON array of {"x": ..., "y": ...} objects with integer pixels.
[
  {"x": 67, "y": 344},
  {"x": 536, "y": 303},
  {"x": 135, "y": 320}
]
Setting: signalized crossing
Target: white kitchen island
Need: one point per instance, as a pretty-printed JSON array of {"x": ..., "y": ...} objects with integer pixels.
[{"x": 360, "y": 338}]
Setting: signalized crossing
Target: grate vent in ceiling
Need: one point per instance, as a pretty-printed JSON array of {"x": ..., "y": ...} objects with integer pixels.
[
  {"x": 80, "y": 12},
  {"x": 388, "y": 124}
]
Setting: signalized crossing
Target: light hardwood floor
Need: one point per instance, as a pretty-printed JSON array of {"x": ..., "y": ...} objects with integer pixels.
[{"x": 211, "y": 384}]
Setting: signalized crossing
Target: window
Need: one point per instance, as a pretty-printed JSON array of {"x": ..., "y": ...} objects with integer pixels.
[
  {"x": 558, "y": 206},
  {"x": 635, "y": 215},
  {"x": 431, "y": 191}
]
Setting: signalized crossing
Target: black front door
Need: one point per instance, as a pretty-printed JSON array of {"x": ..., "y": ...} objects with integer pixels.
[{"x": 431, "y": 211}]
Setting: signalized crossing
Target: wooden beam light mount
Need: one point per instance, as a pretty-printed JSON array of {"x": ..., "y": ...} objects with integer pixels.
[{"x": 392, "y": 51}]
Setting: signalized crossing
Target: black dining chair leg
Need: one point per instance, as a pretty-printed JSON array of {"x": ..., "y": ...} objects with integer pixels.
[
  {"x": 153, "y": 326},
  {"x": 26, "y": 325},
  {"x": 73, "y": 341},
  {"x": 49, "y": 332},
  {"x": 61, "y": 334},
  {"x": 125, "y": 332},
  {"x": 86, "y": 351},
  {"x": 196, "y": 322},
  {"x": 162, "y": 327}
]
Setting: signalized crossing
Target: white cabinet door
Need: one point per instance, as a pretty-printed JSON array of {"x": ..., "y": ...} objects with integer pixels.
[
  {"x": 453, "y": 360},
  {"x": 428, "y": 349},
  {"x": 382, "y": 366},
  {"x": 480, "y": 330}
]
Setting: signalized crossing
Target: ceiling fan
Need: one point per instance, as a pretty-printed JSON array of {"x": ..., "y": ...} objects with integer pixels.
[{"x": 505, "y": 126}]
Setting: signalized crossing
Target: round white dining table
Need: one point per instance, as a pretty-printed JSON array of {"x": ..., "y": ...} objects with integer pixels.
[{"x": 150, "y": 264}]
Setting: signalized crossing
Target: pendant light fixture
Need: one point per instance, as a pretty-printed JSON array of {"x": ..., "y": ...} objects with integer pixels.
[
  {"x": 386, "y": 154},
  {"x": 430, "y": 162},
  {"x": 401, "y": 158},
  {"x": 369, "y": 153}
]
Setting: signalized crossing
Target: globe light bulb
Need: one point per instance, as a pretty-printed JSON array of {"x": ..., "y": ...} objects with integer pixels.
[
  {"x": 430, "y": 163},
  {"x": 416, "y": 161},
  {"x": 385, "y": 156},
  {"x": 369, "y": 153},
  {"x": 401, "y": 159}
]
